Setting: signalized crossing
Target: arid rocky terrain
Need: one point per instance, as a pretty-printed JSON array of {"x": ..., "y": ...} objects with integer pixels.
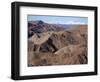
[{"x": 56, "y": 44}]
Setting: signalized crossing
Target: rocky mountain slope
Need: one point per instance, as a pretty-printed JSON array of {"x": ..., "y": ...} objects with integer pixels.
[
  {"x": 40, "y": 27},
  {"x": 51, "y": 44}
]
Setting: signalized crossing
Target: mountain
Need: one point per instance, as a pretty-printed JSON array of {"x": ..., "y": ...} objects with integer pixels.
[
  {"x": 52, "y": 44},
  {"x": 53, "y": 41},
  {"x": 40, "y": 26}
]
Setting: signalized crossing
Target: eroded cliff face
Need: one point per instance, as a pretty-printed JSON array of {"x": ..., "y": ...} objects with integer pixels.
[{"x": 55, "y": 45}]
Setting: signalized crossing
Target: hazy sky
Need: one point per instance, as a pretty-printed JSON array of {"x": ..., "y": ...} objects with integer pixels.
[{"x": 59, "y": 19}]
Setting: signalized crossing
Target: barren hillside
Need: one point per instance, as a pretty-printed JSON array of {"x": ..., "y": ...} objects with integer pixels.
[{"x": 51, "y": 44}]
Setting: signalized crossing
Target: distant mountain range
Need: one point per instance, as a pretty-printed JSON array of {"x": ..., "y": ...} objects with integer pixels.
[
  {"x": 56, "y": 41},
  {"x": 40, "y": 26}
]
